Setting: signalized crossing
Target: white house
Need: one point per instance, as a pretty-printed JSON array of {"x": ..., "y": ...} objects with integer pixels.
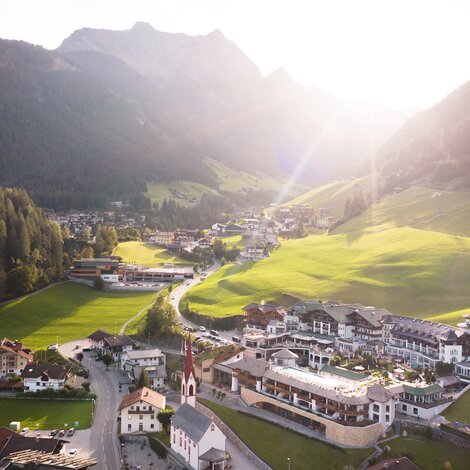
[
  {"x": 194, "y": 436},
  {"x": 97, "y": 339},
  {"x": 38, "y": 377},
  {"x": 138, "y": 411},
  {"x": 152, "y": 360},
  {"x": 14, "y": 357},
  {"x": 117, "y": 345}
]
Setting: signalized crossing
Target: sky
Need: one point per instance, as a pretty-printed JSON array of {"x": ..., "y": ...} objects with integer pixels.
[{"x": 400, "y": 53}]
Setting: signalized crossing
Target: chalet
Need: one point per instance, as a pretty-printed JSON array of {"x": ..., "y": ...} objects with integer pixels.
[
  {"x": 13, "y": 357},
  {"x": 258, "y": 316},
  {"x": 97, "y": 339},
  {"x": 234, "y": 229},
  {"x": 138, "y": 411},
  {"x": 116, "y": 345},
  {"x": 38, "y": 377},
  {"x": 194, "y": 436}
]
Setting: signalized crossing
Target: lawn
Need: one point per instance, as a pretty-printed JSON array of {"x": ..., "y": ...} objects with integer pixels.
[
  {"x": 49, "y": 414},
  {"x": 68, "y": 311},
  {"x": 274, "y": 444},
  {"x": 429, "y": 454},
  {"x": 459, "y": 410},
  {"x": 147, "y": 254},
  {"x": 406, "y": 270}
]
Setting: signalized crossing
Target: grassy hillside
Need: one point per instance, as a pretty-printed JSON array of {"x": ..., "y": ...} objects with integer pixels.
[
  {"x": 406, "y": 270},
  {"x": 228, "y": 179},
  {"x": 147, "y": 254},
  {"x": 334, "y": 195},
  {"x": 68, "y": 311},
  {"x": 416, "y": 207}
]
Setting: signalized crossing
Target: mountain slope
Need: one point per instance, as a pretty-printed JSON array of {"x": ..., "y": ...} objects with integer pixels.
[
  {"x": 433, "y": 147},
  {"x": 110, "y": 111}
]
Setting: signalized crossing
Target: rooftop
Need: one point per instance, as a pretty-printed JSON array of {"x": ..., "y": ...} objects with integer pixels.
[
  {"x": 191, "y": 421},
  {"x": 51, "y": 371},
  {"x": 144, "y": 353},
  {"x": 143, "y": 394}
]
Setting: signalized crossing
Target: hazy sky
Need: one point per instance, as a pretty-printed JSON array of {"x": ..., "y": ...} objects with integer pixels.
[{"x": 401, "y": 53}]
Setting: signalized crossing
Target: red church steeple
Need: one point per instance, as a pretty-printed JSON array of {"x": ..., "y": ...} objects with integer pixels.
[{"x": 188, "y": 384}]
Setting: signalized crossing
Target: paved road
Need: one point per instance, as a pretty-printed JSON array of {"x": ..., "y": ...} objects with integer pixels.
[
  {"x": 100, "y": 440},
  {"x": 179, "y": 291}
]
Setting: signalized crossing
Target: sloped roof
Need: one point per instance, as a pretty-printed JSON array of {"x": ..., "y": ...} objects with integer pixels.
[
  {"x": 421, "y": 391},
  {"x": 377, "y": 392},
  {"x": 144, "y": 353},
  {"x": 213, "y": 455},
  {"x": 143, "y": 394},
  {"x": 188, "y": 364},
  {"x": 17, "y": 443},
  {"x": 52, "y": 371},
  {"x": 118, "y": 340},
  {"x": 255, "y": 367},
  {"x": 191, "y": 421},
  {"x": 342, "y": 372},
  {"x": 16, "y": 347},
  {"x": 285, "y": 354},
  {"x": 99, "y": 335}
]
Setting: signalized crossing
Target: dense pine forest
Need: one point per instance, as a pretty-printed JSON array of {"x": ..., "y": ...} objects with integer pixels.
[{"x": 31, "y": 246}]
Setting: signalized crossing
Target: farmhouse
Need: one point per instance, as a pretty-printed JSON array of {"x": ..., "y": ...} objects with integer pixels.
[
  {"x": 116, "y": 345},
  {"x": 38, "y": 377},
  {"x": 138, "y": 411},
  {"x": 13, "y": 357},
  {"x": 97, "y": 339}
]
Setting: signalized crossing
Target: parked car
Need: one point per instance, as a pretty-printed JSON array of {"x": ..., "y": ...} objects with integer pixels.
[
  {"x": 71, "y": 432},
  {"x": 236, "y": 339},
  {"x": 24, "y": 431},
  {"x": 214, "y": 333},
  {"x": 53, "y": 347},
  {"x": 202, "y": 328},
  {"x": 72, "y": 452},
  {"x": 62, "y": 433},
  {"x": 53, "y": 432}
]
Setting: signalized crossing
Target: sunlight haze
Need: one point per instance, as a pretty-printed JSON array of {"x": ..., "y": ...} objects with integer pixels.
[{"x": 398, "y": 53}]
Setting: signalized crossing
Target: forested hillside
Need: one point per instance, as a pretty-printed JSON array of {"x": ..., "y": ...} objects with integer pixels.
[
  {"x": 31, "y": 247},
  {"x": 110, "y": 111},
  {"x": 432, "y": 148}
]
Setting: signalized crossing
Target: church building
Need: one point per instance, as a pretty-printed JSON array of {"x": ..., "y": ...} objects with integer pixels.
[{"x": 195, "y": 436}]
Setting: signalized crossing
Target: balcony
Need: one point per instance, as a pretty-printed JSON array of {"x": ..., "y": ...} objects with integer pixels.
[{"x": 141, "y": 412}]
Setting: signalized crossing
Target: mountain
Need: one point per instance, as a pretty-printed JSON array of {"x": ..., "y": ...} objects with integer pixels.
[
  {"x": 110, "y": 111},
  {"x": 432, "y": 148}
]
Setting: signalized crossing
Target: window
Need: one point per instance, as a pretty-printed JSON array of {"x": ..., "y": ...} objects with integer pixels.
[
  {"x": 129, "y": 427},
  {"x": 387, "y": 408},
  {"x": 152, "y": 426},
  {"x": 415, "y": 411},
  {"x": 152, "y": 416},
  {"x": 387, "y": 418},
  {"x": 206, "y": 369},
  {"x": 174, "y": 438},
  {"x": 376, "y": 407},
  {"x": 141, "y": 416},
  {"x": 404, "y": 407}
]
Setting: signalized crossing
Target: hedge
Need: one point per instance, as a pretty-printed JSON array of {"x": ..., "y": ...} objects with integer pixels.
[
  {"x": 457, "y": 432},
  {"x": 158, "y": 447}
]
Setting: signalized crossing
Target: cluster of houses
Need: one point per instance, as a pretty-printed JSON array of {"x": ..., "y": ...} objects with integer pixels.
[
  {"x": 194, "y": 437},
  {"x": 289, "y": 218},
  {"x": 283, "y": 365}
]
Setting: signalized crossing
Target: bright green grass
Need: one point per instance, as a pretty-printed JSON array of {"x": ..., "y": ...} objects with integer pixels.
[
  {"x": 405, "y": 270},
  {"x": 275, "y": 444},
  {"x": 334, "y": 195},
  {"x": 49, "y": 414},
  {"x": 157, "y": 192},
  {"x": 416, "y": 208},
  {"x": 147, "y": 254},
  {"x": 459, "y": 410},
  {"x": 429, "y": 455},
  {"x": 236, "y": 240},
  {"x": 68, "y": 311}
]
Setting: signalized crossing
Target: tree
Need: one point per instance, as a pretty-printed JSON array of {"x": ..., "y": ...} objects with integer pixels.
[
  {"x": 195, "y": 268},
  {"x": 107, "y": 360},
  {"x": 164, "y": 417},
  {"x": 143, "y": 380},
  {"x": 79, "y": 357},
  {"x": 86, "y": 234},
  {"x": 98, "y": 283},
  {"x": 87, "y": 252},
  {"x": 162, "y": 317}
]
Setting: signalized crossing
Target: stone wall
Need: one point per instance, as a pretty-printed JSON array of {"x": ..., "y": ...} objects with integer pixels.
[
  {"x": 350, "y": 436},
  {"x": 232, "y": 436}
]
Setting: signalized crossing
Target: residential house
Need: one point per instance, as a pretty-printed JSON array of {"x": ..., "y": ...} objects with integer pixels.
[
  {"x": 139, "y": 409},
  {"x": 152, "y": 360},
  {"x": 13, "y": 357},
  {"x": 38, "y": 377},
  {"x": 97, "y": 339},
  {"x": 163, "y": 238},
  {"x": 116, "y": 345}
]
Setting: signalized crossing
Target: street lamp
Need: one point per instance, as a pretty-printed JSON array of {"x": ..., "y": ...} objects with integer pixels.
[{"x": 288, "y": 463}]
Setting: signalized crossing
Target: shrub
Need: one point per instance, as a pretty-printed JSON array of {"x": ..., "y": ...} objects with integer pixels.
[
  {"x": 158, "y": 448},
  {"x": 86, "y": 385}
]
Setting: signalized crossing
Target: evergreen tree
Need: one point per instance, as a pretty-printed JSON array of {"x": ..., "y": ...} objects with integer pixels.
[{"x": 143, "y": 380}]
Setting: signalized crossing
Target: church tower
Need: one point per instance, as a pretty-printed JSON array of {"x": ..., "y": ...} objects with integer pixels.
[{"x": 188, "y": 383}]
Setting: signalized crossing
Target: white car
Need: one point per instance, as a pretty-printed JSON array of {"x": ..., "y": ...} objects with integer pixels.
[
  {"x": 24, "y": 431},
  {"x": 72, "y": 452},
  {"x": 202, "y": 328}
]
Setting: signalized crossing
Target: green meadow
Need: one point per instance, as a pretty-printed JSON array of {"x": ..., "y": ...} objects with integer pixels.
[
  {"x": 376, "y": 259},
  {"x": 275, "y": 444},
  {"x": 147, "y": 254},
  {"x": 48, "y": 414},
  {"x": 68, "y": 311}
]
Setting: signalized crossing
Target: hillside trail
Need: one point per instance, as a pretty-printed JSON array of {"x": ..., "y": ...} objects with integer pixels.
[{"x": 31, "y": 294}]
